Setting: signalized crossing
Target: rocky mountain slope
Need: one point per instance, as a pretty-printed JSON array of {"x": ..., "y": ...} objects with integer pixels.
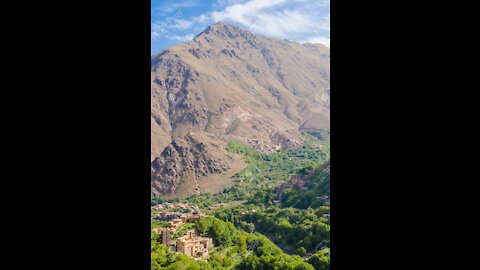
[
  {"x": 194, "y": 163},
  {"x": 229, "y": 84}
]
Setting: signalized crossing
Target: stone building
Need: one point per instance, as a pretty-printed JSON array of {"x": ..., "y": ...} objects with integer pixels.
[
  {"x": 176, "y": 223},
  {"x": 195, "y": 216},
  {"x": 167, "y": 215},
  {"x": 167, "y": 233},
  {"x": 194, "y": 246}
]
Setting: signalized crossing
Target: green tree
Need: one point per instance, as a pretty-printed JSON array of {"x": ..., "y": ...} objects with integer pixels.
[
  {"x": 321, "y": 259},
  {"x": 301, "y": 251}
]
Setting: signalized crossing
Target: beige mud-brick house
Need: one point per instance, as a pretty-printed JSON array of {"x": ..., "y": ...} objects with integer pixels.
[
  {"x": 193, "y": 246},
  {"x": 186, "y": 244},
  {"x": 184, "y": 218},
  {"x": 167, "y": 234},
  {"x": 195, "y": 216},
  {"x": 175, "y": 223}
]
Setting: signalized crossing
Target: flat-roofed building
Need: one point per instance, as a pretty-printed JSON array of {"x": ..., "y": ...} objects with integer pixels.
[{"x": 194, "y": 246}]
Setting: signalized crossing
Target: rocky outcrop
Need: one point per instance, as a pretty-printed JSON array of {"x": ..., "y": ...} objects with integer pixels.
[{"x": 185, "y": 164}]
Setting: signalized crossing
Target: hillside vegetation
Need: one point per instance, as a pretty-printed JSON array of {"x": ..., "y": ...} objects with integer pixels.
[{"x": 235, "y": 249}]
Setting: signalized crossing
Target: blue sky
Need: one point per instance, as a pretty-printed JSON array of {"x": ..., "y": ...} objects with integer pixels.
[{"x": 176, "y": 21}]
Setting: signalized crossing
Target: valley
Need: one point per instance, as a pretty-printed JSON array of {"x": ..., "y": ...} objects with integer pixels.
[
  {"x": 240, "y": 155},
  {"x": 268, "y": 206}
]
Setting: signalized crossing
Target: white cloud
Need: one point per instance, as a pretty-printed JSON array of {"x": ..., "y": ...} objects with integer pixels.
[
  {"x": 182, "y": 24},
  {"x": 224, "y": 3},
  {"x": 279, "y": 18},
  {"x": 283, "y": 23},
  {"x": 167, "y": 24},
  {"x": 165, "y": 8},
  {"x": 323, "y": 24},
  {"x": 203, "y": 18},
  {"x": 181, "y": 38},
  {"x": 244, "y": 13},
  {"x": 320, "y": 39}
]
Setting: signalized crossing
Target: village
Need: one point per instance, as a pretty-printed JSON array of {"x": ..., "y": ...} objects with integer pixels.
[
  {"x": 174, "y": 206},
  {"x": 190, "y": 244},
  {"x": 179, "y": 208}
]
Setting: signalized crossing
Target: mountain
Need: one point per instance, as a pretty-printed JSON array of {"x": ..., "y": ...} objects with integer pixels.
[{"x": 228, "y": 84}]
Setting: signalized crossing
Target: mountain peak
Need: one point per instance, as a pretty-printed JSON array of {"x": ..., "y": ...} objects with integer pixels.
[
  {"x": 222, "y": 29},
  {"x": 222, "y": 25}
]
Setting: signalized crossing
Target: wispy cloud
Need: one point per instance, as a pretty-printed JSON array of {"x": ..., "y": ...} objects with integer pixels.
[
  {"x": 181, "y": 38},
  {"x": 320, "y": 39},
  {"x": 224, "y": 3},
  {"x": 183, "y": 24},
  {"x": 162, "y": 27},
  {"x": 279, "y": 18},
  {"x": 295, "y": 20},
  {"x": 283, "y": 23},
  {"x": 245, "y": 12},
  {"x": 165, "y": 7}
]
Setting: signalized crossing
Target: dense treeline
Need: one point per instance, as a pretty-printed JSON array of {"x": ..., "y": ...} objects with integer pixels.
[
  {"x": 293, "y": 229},
  {"x": 265, "y": 171},
  {"x": 318, "y": 185},
  {"x": 266, "y": 255},
  {"x": 321, "y": 259},
  {"x": 290, "y": 228},
  {"x": 299, "y": 225}
]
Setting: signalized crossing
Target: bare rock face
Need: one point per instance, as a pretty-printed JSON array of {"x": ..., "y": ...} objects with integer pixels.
[
  {"x": 185, "y": 165},
  {"x": 229, "y": 84}
]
